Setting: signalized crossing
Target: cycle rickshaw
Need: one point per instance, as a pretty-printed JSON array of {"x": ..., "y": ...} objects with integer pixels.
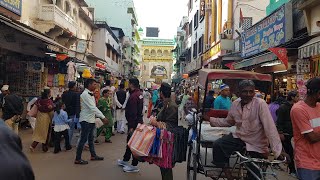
[{"x": 199, "y": 157}]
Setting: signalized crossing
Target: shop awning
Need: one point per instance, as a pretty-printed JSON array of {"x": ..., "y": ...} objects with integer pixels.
[
  {"x": 29, "y": 31},
  {"x": 255, "y": 60},
  {"x": 309, "y": 49}
]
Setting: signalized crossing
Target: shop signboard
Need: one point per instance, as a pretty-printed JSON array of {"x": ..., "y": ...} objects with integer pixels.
[
  {"x": 202, "y": 9},
  {"x": 272, "y": 31},
  {"x": 14, "y": 6},
  {"x": 255, "y": 60},
  {"x": 81, "y": 46}
]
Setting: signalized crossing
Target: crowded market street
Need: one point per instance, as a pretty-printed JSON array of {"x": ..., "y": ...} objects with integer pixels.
[
  {"x": 159, "y": 89},
  {"x": 49, "y": 166}
]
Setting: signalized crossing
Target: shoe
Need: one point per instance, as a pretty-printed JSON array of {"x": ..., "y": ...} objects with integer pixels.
[
  {"x": 56, "y": 151},
  {"x": 68, "y": 149},
  {"x": 294, "y": 175},
  {"x": 81, "y": 162},
  {"x": 113, "y": 134},
  {"x": 131, "y": 169},
  {"x": 97, "y": 158},
  {"x": 96, "y": 142},
  {"x": 122, "y": 163},
  {"x": 108, "y": 141},
  {"x": 122, "y": 132}
]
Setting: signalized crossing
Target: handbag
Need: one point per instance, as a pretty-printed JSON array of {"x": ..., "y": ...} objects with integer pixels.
[
  {"x": 33, "y": 112},
  {"x": 141, "y": 140},
  {"x": 98, "y": 122}
]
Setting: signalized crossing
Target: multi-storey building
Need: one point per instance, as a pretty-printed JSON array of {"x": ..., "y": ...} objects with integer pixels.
[
  {"x": 121, "y": 14},
  {"x": 157, "y": 60}
]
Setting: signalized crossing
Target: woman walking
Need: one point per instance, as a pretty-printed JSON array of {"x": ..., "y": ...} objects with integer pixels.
[
  {"x": 42, "y": 128},
  {"x": 105, "y": 106}
]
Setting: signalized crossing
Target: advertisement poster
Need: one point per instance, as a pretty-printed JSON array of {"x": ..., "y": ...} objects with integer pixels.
[
  {"x": 267, "y": 33},
  {"x": 14, "y": 6}
]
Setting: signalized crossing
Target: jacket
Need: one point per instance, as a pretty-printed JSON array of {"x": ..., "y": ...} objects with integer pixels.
[
  {"x": 169, "y": 114},
  {"x": 284, "y": 123},
  {"x": 13, "y": 106},
  {"x": 72, "y": 101},
  {"x": 134, "y": 109}
]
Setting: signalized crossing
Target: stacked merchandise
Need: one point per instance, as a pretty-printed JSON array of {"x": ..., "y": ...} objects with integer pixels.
[
  {"x": 57, "y": 78},
  {"x": 159, "y": 146},
  {"x": 24, "y": 77}
]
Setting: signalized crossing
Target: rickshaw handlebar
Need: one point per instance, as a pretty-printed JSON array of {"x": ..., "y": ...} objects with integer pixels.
[{"x": 258, "y": 160}]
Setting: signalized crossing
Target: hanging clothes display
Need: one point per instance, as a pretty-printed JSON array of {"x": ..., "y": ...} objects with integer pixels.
[{"x": 71, "y": 71}]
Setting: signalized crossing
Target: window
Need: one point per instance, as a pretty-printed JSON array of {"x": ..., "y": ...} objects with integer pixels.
[
  {"x": 190, "y": 28},
  {"x": 108, "y": 52},
  {"x": 195, "y": 50},
  {"x": 247, "y": 23},
  {"x": 196, "y": 20},
  {"x": 200, "y": 49}
]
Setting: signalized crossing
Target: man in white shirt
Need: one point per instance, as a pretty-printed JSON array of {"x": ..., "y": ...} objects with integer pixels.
[{"x": 88, "y": 114}]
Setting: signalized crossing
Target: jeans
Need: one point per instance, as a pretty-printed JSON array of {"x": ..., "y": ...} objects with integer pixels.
[
  {"x": 57, "y": 140},
  {"x": 307, "y": 174},
  {"x": 72, "y": 125},
  {"x": 128, "y": 153},
  {"x": 86, "y": 135}
]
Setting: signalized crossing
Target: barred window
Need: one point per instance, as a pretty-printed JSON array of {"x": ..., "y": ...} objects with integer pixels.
[{"x": 247, "y": 23}]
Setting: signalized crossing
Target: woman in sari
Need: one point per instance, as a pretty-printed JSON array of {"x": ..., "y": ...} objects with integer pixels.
[
  {"x": 105, "y": 106},
  {"x": 42, "y": 130}
]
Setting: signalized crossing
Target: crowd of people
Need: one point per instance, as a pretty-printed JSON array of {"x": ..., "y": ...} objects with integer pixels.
[{"x": 289, "y": 126}]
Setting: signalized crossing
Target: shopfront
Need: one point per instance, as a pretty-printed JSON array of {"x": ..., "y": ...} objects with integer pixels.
[
  {"x": 25, "y": 58},
  {"x": 212, "y": 58}
]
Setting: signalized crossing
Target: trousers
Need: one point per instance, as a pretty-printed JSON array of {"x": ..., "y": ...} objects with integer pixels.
[
  {"x": 127, "y": 155},
  {"x": 166, "y": 174},
  {"x": 57, "y": 140}
]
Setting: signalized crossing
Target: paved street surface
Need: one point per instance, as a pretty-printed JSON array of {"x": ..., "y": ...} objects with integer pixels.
[{"x": 49, "y": 166}]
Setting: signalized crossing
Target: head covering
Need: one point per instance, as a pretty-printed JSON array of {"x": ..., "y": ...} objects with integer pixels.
[
  {"x": 223, "y": 87},
  {"x": 313, "y": 85},
  {"x": 146, "y": 89},
  {"x": 165, "y": 87},
  {"x": 5, "y": 88}
]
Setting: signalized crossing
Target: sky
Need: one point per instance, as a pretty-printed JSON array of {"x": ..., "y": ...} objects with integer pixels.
[{"x": 165, "y": 14}]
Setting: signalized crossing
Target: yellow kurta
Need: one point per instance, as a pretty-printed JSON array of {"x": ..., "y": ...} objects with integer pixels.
[{"x": 41, "y": 130}]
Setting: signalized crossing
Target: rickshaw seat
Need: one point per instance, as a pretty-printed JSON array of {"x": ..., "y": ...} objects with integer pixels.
[{"x": 217, "y": 113}]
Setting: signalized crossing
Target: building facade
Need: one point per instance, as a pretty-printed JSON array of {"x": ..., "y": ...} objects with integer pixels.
[
  {"x": 157, "y": 61},
  {"x": 121, "y": 14}
]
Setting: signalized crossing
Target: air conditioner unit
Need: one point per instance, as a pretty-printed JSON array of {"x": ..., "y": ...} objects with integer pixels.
[{"x": 208, "y": 6}]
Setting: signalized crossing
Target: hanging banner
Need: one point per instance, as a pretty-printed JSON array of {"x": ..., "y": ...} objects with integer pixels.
[
  {"x": 230, "y": 65},
  {"x": 281, "y": 53},
  {"x": 13, "y": 6},
  {"x": 272, "y": 31}
]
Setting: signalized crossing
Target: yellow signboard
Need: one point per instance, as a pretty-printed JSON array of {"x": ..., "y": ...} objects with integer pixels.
[{"x": 214, "y": 50}]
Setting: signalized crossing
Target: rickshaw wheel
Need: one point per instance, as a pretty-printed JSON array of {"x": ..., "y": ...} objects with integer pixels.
[{"x": 191, "y": 165}]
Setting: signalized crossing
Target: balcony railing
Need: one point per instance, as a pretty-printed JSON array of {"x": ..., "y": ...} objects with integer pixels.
[{"x": 51, "y": 12}]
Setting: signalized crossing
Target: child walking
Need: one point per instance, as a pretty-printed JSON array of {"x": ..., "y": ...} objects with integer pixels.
[{"x": 61, "y": 127}]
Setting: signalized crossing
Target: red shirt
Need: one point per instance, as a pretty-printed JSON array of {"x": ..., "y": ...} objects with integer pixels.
[{"x": 306, "y": 119}]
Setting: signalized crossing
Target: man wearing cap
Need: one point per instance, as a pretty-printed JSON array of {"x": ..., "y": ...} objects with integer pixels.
[
  {"x": 305, "y": 116},
  {"x": 223, "y": 101},
  {"x": 12, "y": 108},
  {"x": 71, "y": 99}
]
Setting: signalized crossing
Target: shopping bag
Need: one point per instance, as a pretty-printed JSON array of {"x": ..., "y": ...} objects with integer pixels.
[
  {"x": 156, "y": 150},
  {"x": 98, "y": 122},
  {"x": 141, "y": 140},
  {"x": 33, "y": 112}
]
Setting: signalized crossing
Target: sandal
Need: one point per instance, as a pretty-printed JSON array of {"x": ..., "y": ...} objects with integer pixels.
[
  {"x": 81, "y": 162},
  {"x": 31, "y": 149}
]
